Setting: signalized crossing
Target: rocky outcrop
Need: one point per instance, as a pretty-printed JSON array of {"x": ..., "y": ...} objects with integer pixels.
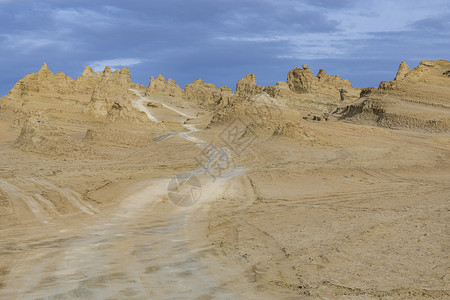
[
  {"x": 88, "y": 72},
  {"x": 349, "y": 94},
  {"x": 105, "y": 95},
  {"x": 247, "y": 87},
  {"x": 207, "y": 94},
  {"x": 42, "y": 84},
  {"x": 85, "y": 84},
  {"x": 415, "y": 99},
  {"x": 241, "y": 103},
  {"x": 426, "y": 67},
  {"x": 109, "y": 89},
  {"x": 368, "y": 91},
  {"x": 258, "y": 109},
  {"x": 303, "y": 93},
  {"x": 280, "y": 90},
  {"x": 91, "y": 94},
  {"x": 403, "y": 69},
  {"x": 303, "y": 81},
  {"x": 159, "y": 86},
  {"x": 46, "y": 85}
]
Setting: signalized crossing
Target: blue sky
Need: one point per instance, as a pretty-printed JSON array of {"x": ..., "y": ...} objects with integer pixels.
[{"x": 220, "y": 41}]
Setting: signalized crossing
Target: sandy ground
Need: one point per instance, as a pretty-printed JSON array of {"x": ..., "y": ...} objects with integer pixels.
[{"x": 361, "y": 213}]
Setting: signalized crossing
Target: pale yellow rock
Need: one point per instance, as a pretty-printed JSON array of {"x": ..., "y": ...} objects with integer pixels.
[
  {"x": 88, "y": 72},
  {"x": 403, "y": 69},
  {"x": 207, "y": 94},
  {"x": 416, "y": 99},
  {"x": 159, "y": 86},
  {"x": 303, "y": 81},
  {"x": 246, "y": 87}
]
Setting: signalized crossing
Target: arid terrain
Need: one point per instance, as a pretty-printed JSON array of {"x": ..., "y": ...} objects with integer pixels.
[{"x": 310, "y": 189}]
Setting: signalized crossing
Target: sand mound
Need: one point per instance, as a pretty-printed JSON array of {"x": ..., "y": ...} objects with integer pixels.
[
  {"x": 39, "y": 136},
  {"x": 296, "y": 131},
  {"x": 117, "y": 137}
]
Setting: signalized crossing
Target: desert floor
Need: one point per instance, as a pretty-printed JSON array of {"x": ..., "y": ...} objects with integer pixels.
[{"x": 355, "y": 212}]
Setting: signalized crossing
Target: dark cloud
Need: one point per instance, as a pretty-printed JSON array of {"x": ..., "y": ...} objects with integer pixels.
[
  {"x": 219, "y": 41},
  {"x": 331, "y": 3},
  {"x": 439, "y": 24}
]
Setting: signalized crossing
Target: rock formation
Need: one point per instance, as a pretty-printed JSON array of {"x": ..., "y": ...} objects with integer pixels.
[
  {"x": 207, "y": 94},
  {"x": 280, "y": 90},
  {"x": 92, "y": 93},
  {"x": 303, "y": 81},
  {"x": 415, "y": 99},
  {"x": 42, "y": 84},
  {"x": 108, "y": 89},
  {"x": 159, "y": 86},
  {"x": 247, "y": 87},
  {"x": 105, "y": 95},
  {"x": 312, "y": 97},
  {"x": 403, "y": 69},
  {"x": 96, "y": 90}
]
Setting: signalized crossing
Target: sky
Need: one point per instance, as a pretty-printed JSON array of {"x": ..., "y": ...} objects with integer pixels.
[{"x": 220, "y": 41}]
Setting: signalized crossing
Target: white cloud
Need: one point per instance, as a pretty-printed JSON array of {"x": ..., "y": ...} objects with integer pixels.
[
  {"x": 115, "y": 64},
  {"x": 81, "y": 17},
  {"x": 357, "y": 24},
  {"x": 29, "y": 41},
  {"x": 385, "y": 15},
  {"x": 309, "y": 45}
]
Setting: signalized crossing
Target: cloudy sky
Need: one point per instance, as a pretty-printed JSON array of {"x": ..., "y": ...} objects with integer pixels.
[{"x": 222, "y": 40}]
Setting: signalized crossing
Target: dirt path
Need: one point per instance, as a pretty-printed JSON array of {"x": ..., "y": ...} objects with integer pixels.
[
  {"x": 139, "y": 104},
  {"x": 142, "y": 249}
]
